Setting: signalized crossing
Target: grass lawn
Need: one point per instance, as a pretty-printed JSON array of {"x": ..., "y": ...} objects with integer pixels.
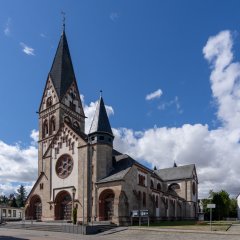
[{"x": 193, "y": 225}]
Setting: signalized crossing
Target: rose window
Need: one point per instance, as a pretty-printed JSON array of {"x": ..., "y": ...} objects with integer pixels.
[{"x": 64, "y": 166}]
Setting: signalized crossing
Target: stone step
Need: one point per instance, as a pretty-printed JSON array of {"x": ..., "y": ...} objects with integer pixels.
[
  {"x": 42, "y": 226},
  {"x": 39, "y": 227}
]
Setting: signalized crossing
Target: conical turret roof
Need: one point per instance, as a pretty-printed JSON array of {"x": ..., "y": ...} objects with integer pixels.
[{"x": 100, "y": 121}]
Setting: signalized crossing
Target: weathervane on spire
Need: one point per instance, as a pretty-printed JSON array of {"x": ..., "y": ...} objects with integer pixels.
[
  {"x": 63, "y": 19},
  {"x": 101, "y": 93}
]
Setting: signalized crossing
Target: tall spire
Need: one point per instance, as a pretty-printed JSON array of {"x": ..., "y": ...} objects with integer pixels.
[
  {"x": 100, "y": 123},
  {"x": 62, "y": 73}
]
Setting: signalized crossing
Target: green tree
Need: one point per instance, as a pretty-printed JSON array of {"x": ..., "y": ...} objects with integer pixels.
[
  {"x": 233, "y": 208},
  {"x": 13, "y": 202},
  {"x": 225, "y": 207},
  {"x": 21, "y": 196},
  {"x": 222, "y": 201},
  {"x": 10, "y": 199},
  {"x": 204, "y": 203},
  {"x": 3, "y": 199}
]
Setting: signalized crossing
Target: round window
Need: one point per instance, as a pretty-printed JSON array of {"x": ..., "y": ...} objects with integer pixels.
[{"x": 64, "y": 166}]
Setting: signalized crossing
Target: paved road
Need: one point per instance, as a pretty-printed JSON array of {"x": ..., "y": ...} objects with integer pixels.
[
  {"x": 14, "y": 234},
  {"x": 235, "y": 228}
]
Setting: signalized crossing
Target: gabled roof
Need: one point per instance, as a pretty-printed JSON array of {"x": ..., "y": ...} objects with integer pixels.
[
  {"x": 175, "y": 173},
  {"x": 62, "y": 73},
  {"x": 100, "y": 121},
  {"x": 42, "y": 174},
  {"x": 121, "y": 165}
]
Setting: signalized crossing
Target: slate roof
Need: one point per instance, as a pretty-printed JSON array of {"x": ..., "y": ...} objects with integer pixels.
[
  {"x": 100, "y": 121},
  {"x": 175, "y": 173},
  {"x": 62, "y": 73},
  {"x": 121, "y": 164}
]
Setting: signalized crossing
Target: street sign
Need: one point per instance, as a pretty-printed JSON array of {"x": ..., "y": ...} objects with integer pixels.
[
  {"x": 135, "y": 213},
  {"x": 211, "y": 205}
]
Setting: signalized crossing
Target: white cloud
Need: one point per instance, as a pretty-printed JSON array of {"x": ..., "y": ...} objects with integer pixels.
[
  {"x": 213, "y": 152},
  {"x": 34, "y": 135},
  {"x": 18, "y": 165},
  {"x": 175, "y": 102},
  {"x": 7, "y": 30},
  {"x": 224, "y": 78},
  {"x": 114, "y": 16},
  {"x": 26, "y": 49},
  {"x": 157, "y": 94}
]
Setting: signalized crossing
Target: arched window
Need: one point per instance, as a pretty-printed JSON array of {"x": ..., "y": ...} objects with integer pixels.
[
  {"x": 144, "y": 199},
  {"x": 45, "y": 128},
  {"x": 49, "y": 102},
  {"x": 52, "y": 125},
  {"x": 159, "y": 187},
  {"x": 152, "y": 185}
]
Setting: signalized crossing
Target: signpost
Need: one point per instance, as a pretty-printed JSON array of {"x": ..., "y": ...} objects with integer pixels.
[
  {"x": 139, "y": 214},
  {"x": 211, "y": 206}
]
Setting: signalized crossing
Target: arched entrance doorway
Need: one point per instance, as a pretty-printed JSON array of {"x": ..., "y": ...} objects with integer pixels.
[
  {"x": 63, "y": 206},
  {"x": 106, "y": 205},
  {"x": 35, "y": 208}
]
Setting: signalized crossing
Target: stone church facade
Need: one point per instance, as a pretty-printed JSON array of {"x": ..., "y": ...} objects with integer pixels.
[{"x": 84, "y": 171}]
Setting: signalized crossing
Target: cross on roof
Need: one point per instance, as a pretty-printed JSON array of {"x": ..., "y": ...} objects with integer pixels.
[{"x": 63, "y": 19}]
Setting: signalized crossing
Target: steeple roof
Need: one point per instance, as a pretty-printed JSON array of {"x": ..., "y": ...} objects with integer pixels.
[
  {"x": 62, "y": 73},
  {"x": 100, "y": 121}
]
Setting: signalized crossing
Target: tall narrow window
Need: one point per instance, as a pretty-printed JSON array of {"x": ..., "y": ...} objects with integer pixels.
[
  {"x": 45, "y": 128},
  {"x": 156, "y": 202},
  {"x": 152, "y": 185},
  {"x": 52, "y": 125}
]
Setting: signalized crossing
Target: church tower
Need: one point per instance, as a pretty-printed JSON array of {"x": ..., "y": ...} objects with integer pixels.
[
  {"x": 60, "y": 102},
  {"x": 100, "y": 139}
]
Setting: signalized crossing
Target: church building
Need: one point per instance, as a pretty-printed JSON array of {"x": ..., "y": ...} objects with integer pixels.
[{"x": 83, "y": 171}]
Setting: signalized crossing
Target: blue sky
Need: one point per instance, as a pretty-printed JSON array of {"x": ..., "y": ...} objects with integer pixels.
[{"x": 128, "y": 49}]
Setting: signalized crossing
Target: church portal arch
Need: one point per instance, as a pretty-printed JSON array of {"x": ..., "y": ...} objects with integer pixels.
[
  {"x": 35, "y": 208},
  {"x": 63, "y": 206},
  {"x": 106, "y": 205}
]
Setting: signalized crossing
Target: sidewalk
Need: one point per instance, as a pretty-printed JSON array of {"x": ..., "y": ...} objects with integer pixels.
[{"x": 233, "y": 230}]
